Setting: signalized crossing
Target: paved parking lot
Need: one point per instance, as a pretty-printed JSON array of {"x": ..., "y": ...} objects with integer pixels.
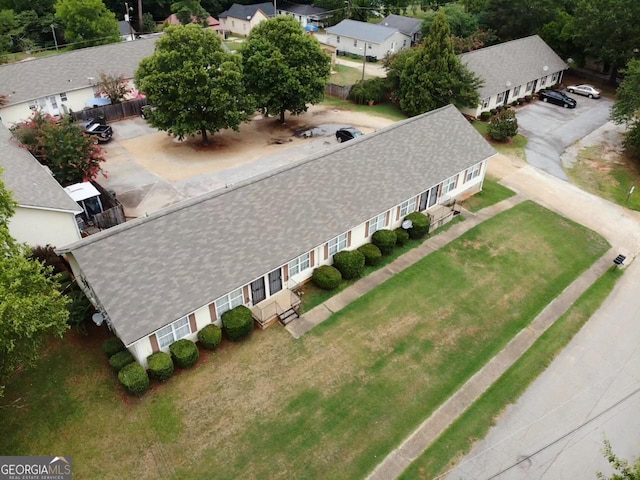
[{"x": 551, "y": 128}]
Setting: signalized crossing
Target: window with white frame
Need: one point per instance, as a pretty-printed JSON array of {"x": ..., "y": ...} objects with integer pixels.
[
  {"x": 337, "y": 244},
  {"x": 299, "y": 264},
  {"x": 173, "y": 332},
  {"x": 500, "y": 98},
  {"x": 229, "y": 301},
  {"x": 449, "y": 184},
  {"x": 529, "y": 87},
  {"x": 407, "y": 207},
  {"x": 472, "y": 173},
  {"x": 338, "y": 39},
  {"x": 516, "y": 91},
  {"x": 63, "y": 97},
  {"x": 377, "y": 223},
  {"x": 355, "y": 42},
  {"x": 33, "y": 104},
  {"x": 554, "y": 77},
  {"x": 485, "y": 102},
  {"x": 543, "y": 81}
]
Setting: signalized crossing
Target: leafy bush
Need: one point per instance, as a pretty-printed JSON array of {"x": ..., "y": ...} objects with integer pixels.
[
  {"x": 237, "y": 323},
  {"x": 503, "y": 126},
  {"x": 385, "y": 240},
  {"x": 515, "y": 103},
  {"x": 120, "y": 360},
  {"x": 528, "y": 98},
  {"x": 484, "y": 116},
  {"x": 134, "y": 378},
  {"x": 372, "y": 254},
  {"x": 160, "y": 365},
  {"x": 112, "y": 345},
  {"x": 327, "y": 277},
  {"x": 210, "y": 336},
  {"x": 493, "y": 111},
  {"x": 365, "y": 91},
  {"x": 420, "y": 225},
  {"x": 402, "y": 236},
  {"x": 499, "y": 108},
  {"x": 350, "y": 263},
  {"x": 184, "y": 352}
]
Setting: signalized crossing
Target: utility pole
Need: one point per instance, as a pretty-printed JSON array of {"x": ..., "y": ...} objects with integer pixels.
[
  {"x": 127, "y": 18},
  {"x": 140, "y": 15},
  {"x": 364, "y": 59},
  {"x": 55, "y": 40}
]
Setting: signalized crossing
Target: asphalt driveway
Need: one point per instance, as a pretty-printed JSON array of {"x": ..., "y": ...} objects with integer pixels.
[{"x": 551, "y": 128}]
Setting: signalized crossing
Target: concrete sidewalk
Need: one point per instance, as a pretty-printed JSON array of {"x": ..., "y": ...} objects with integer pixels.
[{"x": 319, "y": 314}]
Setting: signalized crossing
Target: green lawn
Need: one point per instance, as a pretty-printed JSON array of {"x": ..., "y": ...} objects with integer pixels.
[
  {"x": 513, "y": 148},
  {"x": 475, "y": 423},
  {"x": 386, "y": 110},
  {"x": 329, "y": 405},
  {"x": 347, "y": 75},
  {"x": 492, "y": 193}
]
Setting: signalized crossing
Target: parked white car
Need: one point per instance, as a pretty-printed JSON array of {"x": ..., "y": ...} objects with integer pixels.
[{"x": 586, "y": 90}]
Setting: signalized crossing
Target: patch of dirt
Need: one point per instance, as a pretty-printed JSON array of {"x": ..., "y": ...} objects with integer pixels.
[{"x": 602, "y": 146}]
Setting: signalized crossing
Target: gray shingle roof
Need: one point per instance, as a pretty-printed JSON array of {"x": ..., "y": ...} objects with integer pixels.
[
  {"x": 30, "y": 184},
  {"x": 69, "y": 71},
  {"x": 243, "y": 11},
  {"x": 519, "y": 61},
  {"x": 152, "y": 271},
  {"x": 407, "y": 25},
  {"x": 302, "y": 9},
  {"x": 367, "y": 32}
]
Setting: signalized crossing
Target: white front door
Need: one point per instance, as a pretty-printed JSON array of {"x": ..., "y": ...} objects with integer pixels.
[{"x": 52, "y": 106}]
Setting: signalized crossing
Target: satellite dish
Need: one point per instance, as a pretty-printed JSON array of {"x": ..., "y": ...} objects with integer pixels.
[
  {"x": 407, "y": 224},
  {"x": 97, "y": 318}
]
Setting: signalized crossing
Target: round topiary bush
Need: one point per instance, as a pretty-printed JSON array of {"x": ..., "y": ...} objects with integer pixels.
[
  {"x": 503, "y": 126},
  {"x": 385, "y": 240},
  {"x": 402, "y": 236},
  {"x": 372, "y": 254},
  {"x": 160, "y": 365},
  {"x": 134, "y": 378},
  {"x": 210, "y": 336},
  {"x": 420, "y": 225},
  {"x": 112, "y": 345},
  {"x": 237, "y": 323},
  {"x": 120, "y": 360},
  {"x": 184, "y": 352},
  {"x": 350, "y": 263},
  {"x": 484, "y": 116},
  {"x": 327, "y": 277}
]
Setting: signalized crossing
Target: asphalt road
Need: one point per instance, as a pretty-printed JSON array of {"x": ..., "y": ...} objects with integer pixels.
[{"x": 551, "y": 128}]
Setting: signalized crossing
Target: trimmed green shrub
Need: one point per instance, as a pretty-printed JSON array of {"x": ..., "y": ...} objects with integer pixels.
[
  {"x": 120, "y": 360},
  {"x": 210, "y": 336},
  {"x": 112, "y": 345},
  {"x": 160, "y": 365},
  {"x": 402, "y": 236},
  {"x": 484, "y": 116},
  {"x": 184, "y": 352},
  {"x": 365, "y": 91},
  {"x": 237, "y": 323},
  {"x": 493, "y": 111},
  {"x": 350, "y": 263},
  {"x": 372, "y": 254},
  {"x": 134, "y": 378},
  {"x": 420, "y": 225},
  {"x": 385, "y": 240},
  {"x": 327, "y": 277},
  {"x": 503, "y": 126}
]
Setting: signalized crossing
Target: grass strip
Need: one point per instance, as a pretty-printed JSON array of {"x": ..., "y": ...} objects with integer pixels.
[{"x": 492, "y": 193}]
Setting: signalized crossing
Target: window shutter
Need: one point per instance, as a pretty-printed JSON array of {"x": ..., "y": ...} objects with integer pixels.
[
  {"x": 286, "y": 272},
  {"x": 366, "y": 229},
  {"x": 417, "y": 203},
  {"x": 245, "y": 290},
  {"x": 398, "y": 213},
  {"x": 388, "y": 218},
  {"x": 212, "y": 312},
  {"x": 349, "y": 239},
  {"x": 312, "y": 258},
  {"x": 153, "y": 339},
  {"x": 192, "y": 322},
  {"x": 326, "y": 251}
]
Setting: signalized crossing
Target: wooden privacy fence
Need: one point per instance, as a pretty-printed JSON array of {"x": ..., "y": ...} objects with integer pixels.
[
  {"x": 338, "y": 91},
  {"x": 113, "y": 213},
  {"x": 130, "y": 108}
]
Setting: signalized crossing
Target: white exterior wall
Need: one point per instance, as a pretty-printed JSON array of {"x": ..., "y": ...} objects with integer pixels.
[
  {"x": 394, "y": 43},
  {"x": 36, "y": 226},
  {"x": 240, "y": 26}
]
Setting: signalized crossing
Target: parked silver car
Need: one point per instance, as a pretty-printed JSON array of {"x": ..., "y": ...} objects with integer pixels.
[{"x": 586, "y": 90}]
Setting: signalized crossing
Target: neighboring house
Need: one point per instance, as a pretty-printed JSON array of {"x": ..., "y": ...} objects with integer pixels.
[
  {"x": 240, "y": 19},
  {"x": 370, "y": 39},
  {"x": 305, "y": 14},
  {"x": 164, "y": 277},
  {"x": 64, "y": 82},
  {"x": 512, "y": 70},
  {"x": 127, "y": 32},
  {"x": 173, "y": 20},
  {"x": 45, "y": 214},
  {"x": 411, "y": 27}
]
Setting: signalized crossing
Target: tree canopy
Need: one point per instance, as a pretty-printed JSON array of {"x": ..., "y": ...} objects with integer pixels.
[
  {"x": 87, "y": 22},
  {"x": 284, "y": 68},
  {"x": 622, "y": 470},
  {"x": 627, "y": 107},
  {"x": 194, "y": 84}
]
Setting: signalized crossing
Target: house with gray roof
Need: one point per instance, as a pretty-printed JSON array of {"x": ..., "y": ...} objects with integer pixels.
[
  {"x": 513, "y": 70},
  {"x": 45, "y": 214},
  {"x": 67, "y": 81},
  {"x": 363, "y": 38},
  {"x": 240, "y": 19},
  {"x": 305, "y": 14},
  {"x": 412, "y": 27},
  {"x": 164, "y": 277}
]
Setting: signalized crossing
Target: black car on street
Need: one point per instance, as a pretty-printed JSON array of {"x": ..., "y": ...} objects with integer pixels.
[{"x": 557, "y": 98}]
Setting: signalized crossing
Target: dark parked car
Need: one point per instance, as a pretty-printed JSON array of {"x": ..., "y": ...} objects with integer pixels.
[
  {"x": 98, "y": 129},
  {"x": 559, "y": 98},
  {"x": 348, "y": 133}
]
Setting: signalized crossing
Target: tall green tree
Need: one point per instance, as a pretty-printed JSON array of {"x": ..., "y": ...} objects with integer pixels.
[
  {"x": 512, "y": 19},
  {"x": 285, "y": 69},
  {"x": 433, "y": 76},
  {"x": 194, "y": 84},
  {"x": 627, "y": 107},
  {"x": 461, "y": 22},
  {"x": 32, "y": 309},
  {"x": 88, "y": 22},
  {"x": 190, "y": 11}
]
